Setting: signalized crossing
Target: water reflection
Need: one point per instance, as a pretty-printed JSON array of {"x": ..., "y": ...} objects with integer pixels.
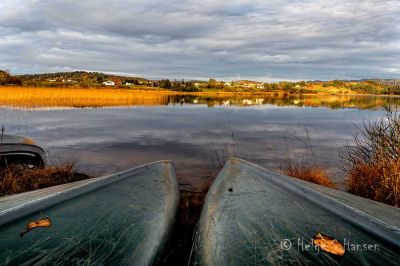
[
  {"x": 329, "y": 101},
  {"x": 113, "y": 139},
  {"x": 91, "y": 99},
  {"x": 183, "y": 129}
]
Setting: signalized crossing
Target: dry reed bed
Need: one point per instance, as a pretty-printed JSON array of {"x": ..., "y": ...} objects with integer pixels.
[
  {"x": 69, "y": 97},
  {"x": 78, "y": 97},
  {"x": 36, "y": 97}
]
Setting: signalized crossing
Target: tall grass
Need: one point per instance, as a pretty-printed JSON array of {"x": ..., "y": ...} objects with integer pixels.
[
  {"x": 306, "y": 169},
  {"x": 373, "y": 162},
  {"x": 311, "y": 173},
  {"x": 79, "y": 97},
  {"x": 43, "y": 97},
  {"x": 221, "y": 148},
  {"x": 16, "y": 179},
  {"x": 35, "y": 97}
]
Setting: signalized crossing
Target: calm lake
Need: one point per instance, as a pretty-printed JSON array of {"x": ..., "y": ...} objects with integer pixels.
[{"x": 191, "y": 130}]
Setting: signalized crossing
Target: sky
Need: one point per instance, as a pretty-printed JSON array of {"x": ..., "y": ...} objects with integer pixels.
[{"x": 266, "y": 40}]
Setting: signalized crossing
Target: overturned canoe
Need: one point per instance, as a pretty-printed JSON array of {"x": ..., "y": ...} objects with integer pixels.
[
  {"x": 124, "y": 218},
  {"x": 253, "y": 216}
]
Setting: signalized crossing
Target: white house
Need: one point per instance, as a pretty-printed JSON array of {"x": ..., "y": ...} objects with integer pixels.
[
  {"x": 260, "y": 86},
  {"x": 109, "y": 83}
]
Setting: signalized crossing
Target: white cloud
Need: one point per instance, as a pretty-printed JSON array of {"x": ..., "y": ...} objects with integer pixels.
[{"x": 186, "y": 39}]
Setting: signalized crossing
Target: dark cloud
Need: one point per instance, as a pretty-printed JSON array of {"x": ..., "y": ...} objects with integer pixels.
[{"x": 264, "y": 40}]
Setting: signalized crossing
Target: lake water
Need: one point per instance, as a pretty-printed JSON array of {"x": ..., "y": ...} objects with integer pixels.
[{"x": 190, "y": 131}]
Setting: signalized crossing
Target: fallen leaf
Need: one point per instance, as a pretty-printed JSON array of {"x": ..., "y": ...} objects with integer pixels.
[
  {"x": 46, "y": 222},
  {"x": 329, "y": 244}
]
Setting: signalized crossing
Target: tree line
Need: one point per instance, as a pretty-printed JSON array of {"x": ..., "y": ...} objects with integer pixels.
[{"x": 96, "y": 79}]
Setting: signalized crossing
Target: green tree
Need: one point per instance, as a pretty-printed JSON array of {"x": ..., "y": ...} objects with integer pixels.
[{"x": 165, "y": 84}]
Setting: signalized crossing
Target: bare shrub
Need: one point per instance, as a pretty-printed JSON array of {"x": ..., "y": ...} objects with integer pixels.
[{"x": 373, "y": 163}]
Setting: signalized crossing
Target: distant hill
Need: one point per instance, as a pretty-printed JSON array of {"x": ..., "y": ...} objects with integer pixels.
[
  {"x": 97, "y": 79},
  {"x": 81, "y": 78}
]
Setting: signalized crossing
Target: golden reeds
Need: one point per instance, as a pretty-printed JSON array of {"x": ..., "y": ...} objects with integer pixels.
[
  {"x": 78, "y": 97},
  {"x": 310, "y": 173}
]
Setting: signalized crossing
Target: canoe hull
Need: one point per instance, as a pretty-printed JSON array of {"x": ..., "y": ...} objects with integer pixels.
[
  {"x": 252, "y": 216},
  {"x": 119, "y": 219}
]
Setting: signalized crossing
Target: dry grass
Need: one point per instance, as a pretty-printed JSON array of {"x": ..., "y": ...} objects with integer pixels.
[
  {"x": 41, "y": 97},
  {"x": 223, "y": 146},
  {"x": 377, "y": 182},
  {"x": 79, "y": 97},
  {"x": 306, "y": 169},
  {"x": 373, "y": 162},
  {"x": 34, "y": 97},
  {"x": 17, "y": 179},
  {"x": 310, "y": 173},
  {"x": 46, "y": 97}
]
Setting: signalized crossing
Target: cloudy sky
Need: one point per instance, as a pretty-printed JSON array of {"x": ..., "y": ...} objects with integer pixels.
[{"x": 197, "y": 39}]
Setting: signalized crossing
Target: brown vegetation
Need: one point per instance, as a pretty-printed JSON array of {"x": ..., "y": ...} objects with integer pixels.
[
  {"x": 310, "y": 173},
  {"x": 373, "y": 162},
  {"x": 78, "y": 97},
  {"x": 17, "y": 179},
  {"x": 380, "y": 182},
  {"x": 70, "y": 97},
  {"x": 306, "y": 169}
]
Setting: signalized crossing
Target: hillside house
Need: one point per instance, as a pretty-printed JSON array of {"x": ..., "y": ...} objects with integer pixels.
[
  {"x": 109, "y": 83},
  {"x": 260, "y": 86}
]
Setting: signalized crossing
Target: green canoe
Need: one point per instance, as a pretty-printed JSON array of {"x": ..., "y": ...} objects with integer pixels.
[
  {"x": 253, "y": 216},
  {"x": 121, "y": 219}
]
